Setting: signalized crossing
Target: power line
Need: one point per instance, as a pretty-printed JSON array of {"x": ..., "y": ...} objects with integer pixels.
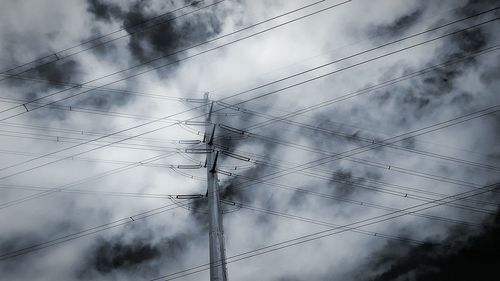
[
  {"x": 366, "y": 204},
  {"x": 303, "y": 82},
  {"x": 73, "y": 139},
  {"x": 315, "y": 3},
  {"x": 78, "y": 52},
  {"x": 282, "y": 118},
  {"x": 253, "y": 98},
  {"x": 380, "y": 47},
  {"x": 124, "y": 162},
  {"x": 391, "y": 140},
  {"x": 29, "y": 128},
  {"x": 329, "y": 232},
  {"x": 185, "y": 111},
  {"x": 163, "y": 148},
  {"x": 88, "y": 192},
  {"x": 475, "y": 26},
  {"x": 147, "y": 214},
  {"x": 327, "y": 174},
  {"x": 329, "y": 224},
  {"x": 113, "y": 171},
  {"x": 393, "y": 167},
  {"x": 62, "y": 139},
  {"x": 175, "y": 53},
  {"x": 401, "y": 195},
  {"x": 104, "y": 89},
  {"x": 384, "y": 166},
  {"x": 315, "y": 175},
  {"x": 96, "y": 111},
  {"x": 88, "y": 231},
  {"x": 86, "y": 179},
  {"x": 276, "y": 81},
  {"x": 58, "y": 56},
  {"x": 287, "y": 116}
]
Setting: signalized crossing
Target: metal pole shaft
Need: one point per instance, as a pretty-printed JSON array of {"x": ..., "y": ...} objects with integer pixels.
[{"x": 218, "y": 270}]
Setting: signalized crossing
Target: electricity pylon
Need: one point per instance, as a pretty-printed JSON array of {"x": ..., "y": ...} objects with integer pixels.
[{"x": 218, "y": 271}]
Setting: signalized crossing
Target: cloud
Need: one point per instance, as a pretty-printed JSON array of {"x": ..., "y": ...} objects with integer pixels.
[{"x": 461, "y": 257}]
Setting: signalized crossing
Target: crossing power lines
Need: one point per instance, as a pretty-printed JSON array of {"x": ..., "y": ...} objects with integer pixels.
[{"x": 266, "y": 148}]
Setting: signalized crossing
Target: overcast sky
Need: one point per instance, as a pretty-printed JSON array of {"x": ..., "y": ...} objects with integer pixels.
[{"x": 379, "y": 118}]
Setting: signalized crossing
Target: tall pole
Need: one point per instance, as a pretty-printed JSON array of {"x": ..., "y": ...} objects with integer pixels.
[{"x": 218, "y": 270}]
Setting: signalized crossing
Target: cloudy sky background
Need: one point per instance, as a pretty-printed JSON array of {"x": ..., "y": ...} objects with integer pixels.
[{"x": 77, "y": 158}]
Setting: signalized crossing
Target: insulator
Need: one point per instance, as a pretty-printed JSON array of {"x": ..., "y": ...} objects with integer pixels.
[
  {"x": 196, "y": 123},
  {"x": 222, "y": 172},
  {"x": 195, "y": 100},
  {"x": 228, "y": 202},
  {"x": 190, "y": 141},
  {"x": 189, "y": 196},
  {"x": 198, "y": 150},
  {"x": 234, "y": 130},
  {"x": 227, "y": 105},
  {"x": 188, "y": 166},
  {"x": 236, "y": 156}
]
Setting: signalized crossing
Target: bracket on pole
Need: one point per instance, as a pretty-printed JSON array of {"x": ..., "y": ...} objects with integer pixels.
[
  {"x": 198, "y": 150},
  {"x": 214, "y": 164},
  {"x": 209, "y": 117},
  {"x": 188, "y": 167},
  {"x": 231, "y": 129},
  {"x": 211, "y": 141},
  {"x": 189, "y": 196}
]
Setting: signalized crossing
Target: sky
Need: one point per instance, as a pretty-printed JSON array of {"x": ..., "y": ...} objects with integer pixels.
[{"x": 358, "y": 140}]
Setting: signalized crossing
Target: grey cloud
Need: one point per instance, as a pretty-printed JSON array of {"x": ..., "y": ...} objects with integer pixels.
[
  {"x": 458, "y": 258},
  {"x": 398, "y": 27},
  {"x": 104, "y": 11}
]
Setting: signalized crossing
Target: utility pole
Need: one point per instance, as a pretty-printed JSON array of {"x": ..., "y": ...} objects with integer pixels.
[{"x": 218, "y": 271}]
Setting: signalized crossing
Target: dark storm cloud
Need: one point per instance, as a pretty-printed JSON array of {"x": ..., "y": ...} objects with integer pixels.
[
  {"x": 46, "y": 79},
  {"x": 474, "y": 6},
  {"x": 423, "y": 95},
  {"x": 464, "y": 257},
  {"x": 104, "y": 10},
  {"x": 455, "y": 258},
  {"x": 231, "y": 193},
  {"x": 160, "y": 37},
  {"x": 343, "y": 183},
  {"x": 398, "y": 27},
  {"x": 168, "y": 37},
  {"x": 103, "y": 100},
  {"x": 22, "y": 247},
  {"x": 199, "y": 210},
  {"x": 139, "y": 255},
  {"x": 171, "y": 36},
  {"x": 12, "y": 244},
  {"x": 150, "y": 39},
  {"x": 66, "y": 71},
  {"x": 19, "y": 242},
  {"x": 491, "y": 74},
  {"x": 119, "y": 256},
  {"x": 151, "y": 36}
]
